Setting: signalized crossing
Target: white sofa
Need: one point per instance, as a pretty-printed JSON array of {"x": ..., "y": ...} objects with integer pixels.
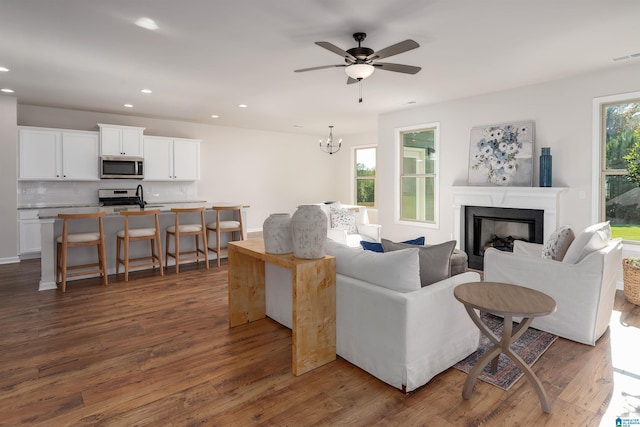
[
  {"x": 405, "y": 336},
  {"x": 362, "y": 229},
  {"x": 584, "y": 291}
]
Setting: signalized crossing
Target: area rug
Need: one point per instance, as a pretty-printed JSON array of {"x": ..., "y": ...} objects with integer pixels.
[{"x": 530, "y": 346}]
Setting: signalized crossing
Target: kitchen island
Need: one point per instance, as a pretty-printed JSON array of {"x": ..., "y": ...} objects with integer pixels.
[{"x": 51, "y": 227}]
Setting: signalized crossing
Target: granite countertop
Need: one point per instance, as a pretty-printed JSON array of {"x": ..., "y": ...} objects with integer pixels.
[
  {"x": 50, "y": 212},
  {"x": 95, "y": 205}
]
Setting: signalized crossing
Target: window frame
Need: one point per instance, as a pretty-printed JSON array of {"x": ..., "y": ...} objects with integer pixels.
[
  {"x": 354, "y": 175},
  {"x": 398, "y": 132},
  {"x": 599, "y": 171}
]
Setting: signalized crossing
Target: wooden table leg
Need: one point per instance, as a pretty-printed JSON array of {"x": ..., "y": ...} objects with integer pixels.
[
  {"x": 503, "y": 345},
  {"x": 246, "y": 288},
  {"x": 314, "y": 315}
]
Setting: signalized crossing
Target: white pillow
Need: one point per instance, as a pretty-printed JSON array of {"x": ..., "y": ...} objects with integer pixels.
[
  {"x": 397, "y": 270},
  {"x": 556, "y": 247},
  {"x": 344, "y": 219},
  {"x": 593, "y": 238}
]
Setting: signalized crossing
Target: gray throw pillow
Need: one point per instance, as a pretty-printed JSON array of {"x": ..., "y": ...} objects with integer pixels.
[{"x": 435, "y": 260}]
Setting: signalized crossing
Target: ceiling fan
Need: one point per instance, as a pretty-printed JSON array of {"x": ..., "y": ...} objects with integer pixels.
[{"x": 361, "y": 62}]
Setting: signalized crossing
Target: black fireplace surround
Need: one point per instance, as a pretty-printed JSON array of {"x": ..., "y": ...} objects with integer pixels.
[{"x": 499, "y": 227}]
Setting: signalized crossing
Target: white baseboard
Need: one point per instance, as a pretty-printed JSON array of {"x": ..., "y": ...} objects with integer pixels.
[{"x": 9, "y": 260}]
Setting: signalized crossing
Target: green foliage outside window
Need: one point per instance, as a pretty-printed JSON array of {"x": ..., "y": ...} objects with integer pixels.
[{"x": 621, "y": 177}]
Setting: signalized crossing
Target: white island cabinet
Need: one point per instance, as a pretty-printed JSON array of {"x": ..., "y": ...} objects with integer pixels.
[
  {"x": 28, "y": 232},
  {"x": 116, "y": 140},
  {"x": 171, "y": 159},
  {"x": 48, "y": 154}
]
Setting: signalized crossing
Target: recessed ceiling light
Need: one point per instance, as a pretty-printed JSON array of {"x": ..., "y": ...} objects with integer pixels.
[
  {"x": 243, "y": 105},
  {"x": 411, "y": 102},
  {"x": 4, "y": 69},
  {"x": 146, "y": 91},
  {"x": 146, "y": 23},
  {"x": 215, "y": 116},
  {"x": 298, "y": 126},
  {"x": 128, "y": 105},
  {"x": 7, "y": 90}
]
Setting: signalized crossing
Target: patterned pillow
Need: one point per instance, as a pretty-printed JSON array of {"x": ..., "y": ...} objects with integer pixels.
[
  {"x": 556, "y": 247},
  {"x": 343, "y": 219}
]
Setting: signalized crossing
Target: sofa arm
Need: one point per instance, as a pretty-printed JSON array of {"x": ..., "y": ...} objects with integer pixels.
[
  {"x": 337, "y": 235},
  {"x": 372, "y": 231},
  {"x": 521, "y": 247},
  {"x": 404, "y": 339}
]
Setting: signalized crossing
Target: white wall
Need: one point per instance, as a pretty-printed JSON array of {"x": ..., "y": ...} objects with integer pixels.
[
  {"x": 8, "y": 175},
  {"x": 270, "y": 171},
  {"x": 562, "y": 112}
]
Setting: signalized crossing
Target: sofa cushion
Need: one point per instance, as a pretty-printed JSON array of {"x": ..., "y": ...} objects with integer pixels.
[
  {"x": 343, "y": 219},
  {"x": 556, "y": 247},
  {"x": 592, "y": 238},
  {"x": 377, "y": 247},
  {"x": 398, "y": 271},
  {"x": 435, "y": 260}
]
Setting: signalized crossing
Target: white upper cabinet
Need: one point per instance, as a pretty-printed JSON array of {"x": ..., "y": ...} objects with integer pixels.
[
  {"x": 39, "y": 152},
  {"x": 80, "y": 155},
  {"x": 171, "y": 159},
  {"x": 54, "y": 154},
  {"x": 186, "y": 159},
  {"x": 119, "y": 141}
]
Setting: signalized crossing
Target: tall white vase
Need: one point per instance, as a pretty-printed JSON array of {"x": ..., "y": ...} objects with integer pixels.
[
  {"x": 276, "y": 232},
  {"x": 309, "y": 232}
]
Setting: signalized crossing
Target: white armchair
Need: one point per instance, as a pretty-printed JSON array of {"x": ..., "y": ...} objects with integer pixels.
[
  {"x": 356, "y": 227},
  {"x": 584, "y": 291}
]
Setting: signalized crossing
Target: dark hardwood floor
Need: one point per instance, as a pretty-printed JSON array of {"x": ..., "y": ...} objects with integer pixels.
[{"x": 158, "y": 351}]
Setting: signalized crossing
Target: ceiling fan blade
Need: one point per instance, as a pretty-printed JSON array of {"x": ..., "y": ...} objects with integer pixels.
[
  {"x": 393, "y": 50},
  {"x": 335, "y": 49},
  {"x": 399, "y": 68},
  {"x": 351, "y": 80},
  {"x": 318, "y": 68}
]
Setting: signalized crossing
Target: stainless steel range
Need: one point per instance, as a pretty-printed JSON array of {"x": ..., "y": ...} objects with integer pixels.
[{"x": 120, "y": 197}]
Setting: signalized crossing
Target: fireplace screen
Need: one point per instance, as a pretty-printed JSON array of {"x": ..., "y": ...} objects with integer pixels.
[{"x": 498, "y": 228}]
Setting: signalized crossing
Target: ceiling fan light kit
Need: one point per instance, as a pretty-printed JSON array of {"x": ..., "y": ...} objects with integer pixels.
[
  {"x": 359, "y": 71},
  {"x": 361, "y": 62}
]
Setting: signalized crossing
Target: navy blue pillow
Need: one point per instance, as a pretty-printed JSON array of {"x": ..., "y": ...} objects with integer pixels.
[
  {"x": 371, "y": 246},
  {"x": 377, "y": 247}
]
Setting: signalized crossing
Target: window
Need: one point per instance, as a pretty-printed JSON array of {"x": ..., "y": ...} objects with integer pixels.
[
  {"x": 417, "y": 148},
  {"x": 619, "y": 197},
  {"x": 365, "y": 176}
]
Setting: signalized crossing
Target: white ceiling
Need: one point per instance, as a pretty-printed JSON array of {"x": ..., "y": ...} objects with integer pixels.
[{"x": 208, "y": 56}]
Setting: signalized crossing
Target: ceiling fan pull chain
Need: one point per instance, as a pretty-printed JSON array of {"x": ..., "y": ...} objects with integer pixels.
[{"x": 360, "y": 90}]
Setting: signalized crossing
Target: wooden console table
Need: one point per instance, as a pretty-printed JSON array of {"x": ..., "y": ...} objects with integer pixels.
[
  {"x": 508, "y": 301},
  {"x": 314, "y": 299}
]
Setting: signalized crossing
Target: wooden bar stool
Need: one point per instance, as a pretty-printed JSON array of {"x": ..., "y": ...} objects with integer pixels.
[
  {"x": 196, "y": 230},
  {"x": 229, "y": 226},
  {"x": 128, "y": 235},
  {"x": 74, "y": 240}
]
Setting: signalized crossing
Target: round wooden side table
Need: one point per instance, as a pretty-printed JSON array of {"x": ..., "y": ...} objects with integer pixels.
[{"x": 509, "y": 301}]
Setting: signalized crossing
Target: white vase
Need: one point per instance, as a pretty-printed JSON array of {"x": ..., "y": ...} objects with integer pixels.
[
  {"x": 276, "y": 232},
  {"x": 309, "y": 232}
]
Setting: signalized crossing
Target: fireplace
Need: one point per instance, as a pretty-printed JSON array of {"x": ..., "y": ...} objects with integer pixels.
[
  {"x": 545, "y": 199},
  {"x": 498, "y": 228}
]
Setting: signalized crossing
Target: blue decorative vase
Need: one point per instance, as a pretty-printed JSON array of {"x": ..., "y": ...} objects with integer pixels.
[{"x": 545, "y": 167}]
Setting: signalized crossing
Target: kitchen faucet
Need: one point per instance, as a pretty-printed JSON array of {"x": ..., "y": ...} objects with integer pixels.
[{"x": 140, "y": 196}]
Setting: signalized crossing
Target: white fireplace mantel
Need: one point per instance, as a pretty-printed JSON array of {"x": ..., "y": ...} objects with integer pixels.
[{"x": 543, "y": 198}]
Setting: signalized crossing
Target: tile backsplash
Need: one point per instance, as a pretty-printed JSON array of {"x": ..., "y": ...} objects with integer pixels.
[{"x": 86, "y": 192}]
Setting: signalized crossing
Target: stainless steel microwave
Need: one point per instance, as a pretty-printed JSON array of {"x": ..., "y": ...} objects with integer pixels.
[{"x": 121, "y": 167}]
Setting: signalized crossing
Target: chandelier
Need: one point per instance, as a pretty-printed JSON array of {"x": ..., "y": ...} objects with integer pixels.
[{"x": 329, "y": 146}]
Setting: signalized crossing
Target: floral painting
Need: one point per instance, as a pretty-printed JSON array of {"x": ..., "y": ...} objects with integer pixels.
[{"x": 501, "y": 155}]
